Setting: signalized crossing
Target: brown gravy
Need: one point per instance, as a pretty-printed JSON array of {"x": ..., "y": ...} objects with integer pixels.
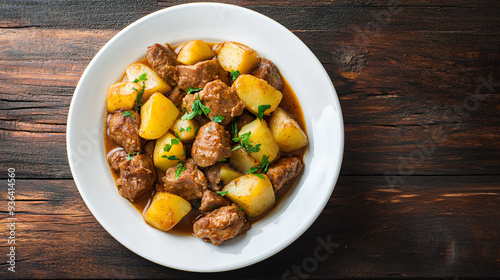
[{"x": 289, "y": 103}]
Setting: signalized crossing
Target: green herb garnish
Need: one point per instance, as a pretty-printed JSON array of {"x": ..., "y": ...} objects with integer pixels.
[
  {"x": 197, "y": 109},
  {"x": 221, "y": 193},
  {"x": 128, "y": 114},
  {"x": 142, "y": 78},
  {"x": 241, "y": 208},
  {"x": 129, "y": 156},
  {"x": 244, "y": 141},
  {"x": 261, "y": 109},
  {"x": 234, "y": 74},
  {"x": 188, "y": 129},
  {"x": 193, "y": 90},
  {"x": 170, "y": 157},
  {"x": 179, "y": 171},
  {"x": 262, "y": 167},
  {"x": 218, "y": 119}
]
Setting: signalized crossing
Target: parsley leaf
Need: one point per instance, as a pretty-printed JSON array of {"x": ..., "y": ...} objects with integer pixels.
[
  {"x": 221, "y": 193},
  {"x": 218, "y": 119},
  {"x": 262, "y": 109},
  {"x": 143, "y": 79},
  {"x": 241, "y": 208},
  {"x": 170, "y": 157},
  {"x": 193, "y": 90},
  {"x": 196, "y": 109},
  {"x": 244, "y": 141},
  {"x": 234, "y": 75},
  {"x": 129, "y": 156},
  {"x": 235, "y": 126},
  {"x": 262, "y": 167},
  {"x": 179, "y": 171},
  {"x": 128, "y": 114},
  {"x": 173, "y": 141}
]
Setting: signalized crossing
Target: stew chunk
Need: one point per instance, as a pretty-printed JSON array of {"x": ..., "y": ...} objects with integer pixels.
[
  {"x": 198, "y": 75},
  {"x": 266, "y": 70},
  {"x": 221, "y": 224},
  {"x": 221, "y": 100},
  {"x": 188, "y": 182},
  {"x": 211, "y": 201},
  {"x": 284, "y": 170},
  {"x": 211, "y": 145},
  {"x": 137, "y": 176},
  {"x": 163, "y": 60},
  {"x": 124, "y": 130}
]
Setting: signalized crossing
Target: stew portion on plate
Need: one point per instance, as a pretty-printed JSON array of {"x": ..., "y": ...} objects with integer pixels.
[{"x": 204, "y": 138}]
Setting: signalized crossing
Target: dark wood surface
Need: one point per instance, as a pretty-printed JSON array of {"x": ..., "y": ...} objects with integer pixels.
[{"x": 419, "y": 191}]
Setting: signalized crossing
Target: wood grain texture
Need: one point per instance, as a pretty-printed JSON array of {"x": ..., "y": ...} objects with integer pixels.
[
  {"x": 419, "y": 192},
  {"x": 437, "y": 226}
]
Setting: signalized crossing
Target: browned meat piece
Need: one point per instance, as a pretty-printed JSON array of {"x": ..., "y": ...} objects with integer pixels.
[
  {"x": 211, "y": 145},
  {"x": 190, "y": 184},
  {"x": 124, "y": 130},
  {"x": 266, "y": 70},
  {"x": 284, "y": 170},
  {"x": 222, "y": 101},
  {"x": 221, "y": 224},
  {"x": 116, "y": 157},
  {"x": 176, "y": 96},
  {"x": 211, "y": 201},
  {"x": 213, "y": 177},
  {"x": 163, "y": 60},
  {"x": 137, "y": 176},
  {"x": 198, "y": 75},
  {"x": 149, "y": 148}
]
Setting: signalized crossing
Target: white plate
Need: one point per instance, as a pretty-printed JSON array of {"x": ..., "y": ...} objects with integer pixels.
[{"x": 215, "y": 23}]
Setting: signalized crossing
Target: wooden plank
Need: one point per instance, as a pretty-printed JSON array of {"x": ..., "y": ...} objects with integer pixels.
[
  {"x": 403, "y": 106},
  {"x": 96, "y": 14},
  {"x": 436, "y": 226}
]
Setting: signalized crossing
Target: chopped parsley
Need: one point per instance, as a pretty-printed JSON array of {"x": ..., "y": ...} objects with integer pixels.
[
  {"x": 173, "y": 141},
  {"x": 193, "y": 90},
  {"x": 223, "y": 160},
  {"x": 129, "y": 156},
  {"x": 234, "y": 74},
  {"x": 244, "y": 141},
  {"x": 128, "y": 114},
  {"x": 182, "y": 129},
  {"x": 218, "y": 119},
  {"x": 170, "y": 157},
  {"x": 235, "y": 126},
  {"x": 262, "y": 109},
  {"x": 262, "y": 167},
  {"x": 179, "y": 171},
  {"x": 197, "y": 109},
  {"x": 241, "y": 208},
  {"x": 143, "y": 79},
  {"x": 221, "y": 193},
  {"x": 277, "y": 198}
]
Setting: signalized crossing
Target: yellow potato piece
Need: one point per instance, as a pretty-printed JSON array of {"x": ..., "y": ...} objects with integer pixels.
[
  {"x": 254, "y": 91},
  {"x": 166, "y": 210},
  {"x": 157, "y": 116},
  {"x": 255, "y": 195},
  {"x": 237, "y": 57},
  {"x": 241, "y": 160},
  {"x": 185, "y": 129},
  {"x": 287, "y": 132},
  {"x": 227, "y": 174},
  {"x": 261, "y": 134},
  {"x": 153, "y": 83},
  {"x": 169, "y": 151},
  {"x": 194, "y": 52},
  {"x": 122, "y": 95}
]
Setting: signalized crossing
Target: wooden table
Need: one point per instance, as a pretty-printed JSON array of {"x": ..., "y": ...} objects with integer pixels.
[{"x": 419, "y": 191}]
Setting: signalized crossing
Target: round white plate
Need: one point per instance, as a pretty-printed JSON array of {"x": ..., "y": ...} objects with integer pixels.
[{"x": 214, "y": 23}]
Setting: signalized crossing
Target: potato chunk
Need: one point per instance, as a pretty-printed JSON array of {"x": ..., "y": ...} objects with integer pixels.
[
  {"x": 122, "y": 95},
  {"x": 166, "y": 210},
  {"x": 194, "y": 52},
  {"x": 286, "y": 131},
  {"x": 153, "y": 82},
  {"x": 237, "y": 57},
  {"x": 157, "y": 116},
  {"x": 241, "y": 160},
  {"x": 254, "y": 92},
  {"x": 261, "y": 134},
  {"x": 185, "y": 129},
  {"x": 252, "y": 193},
  {"x": 227, "y": 174},
  {"x": 168, "y": 152}
]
